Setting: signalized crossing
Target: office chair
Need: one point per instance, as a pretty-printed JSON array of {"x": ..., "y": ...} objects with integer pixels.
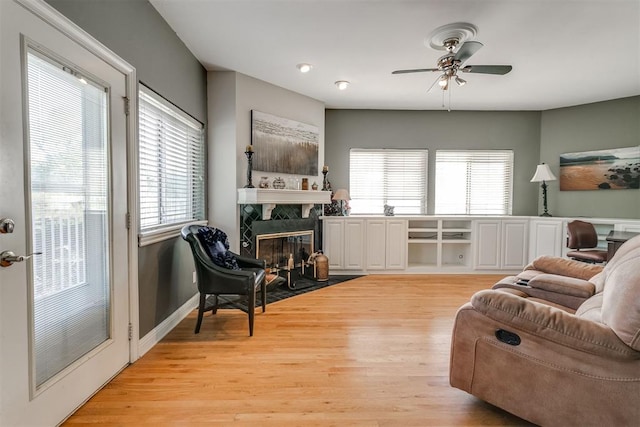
[{"x": 583, "y": 238}]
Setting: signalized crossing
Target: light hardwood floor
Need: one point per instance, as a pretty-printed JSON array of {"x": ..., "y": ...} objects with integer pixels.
[{"x": 373, "y": 351}]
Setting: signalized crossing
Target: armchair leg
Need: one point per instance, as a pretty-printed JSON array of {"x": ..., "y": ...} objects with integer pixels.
[
  {"x": 263, "y": 290},
  {"x": 251, "y": 310},
  {"x": 203, "y": 299}
]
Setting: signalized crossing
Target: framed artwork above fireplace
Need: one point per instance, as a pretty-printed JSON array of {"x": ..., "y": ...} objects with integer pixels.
[{"x": 284, "y": 146}]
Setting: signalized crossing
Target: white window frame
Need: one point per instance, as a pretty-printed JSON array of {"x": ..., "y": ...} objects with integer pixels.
[
  {"x": 186, "y": 134},
  {"x": 377, "y": 177},
  {"x": 481, "y": 180}
]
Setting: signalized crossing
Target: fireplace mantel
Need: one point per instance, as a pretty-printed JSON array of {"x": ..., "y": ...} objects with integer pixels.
[{"x": 269, "y": 198}]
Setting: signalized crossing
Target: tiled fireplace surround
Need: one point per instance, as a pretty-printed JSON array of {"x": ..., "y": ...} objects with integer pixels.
[{"x": 284, "y": 219}]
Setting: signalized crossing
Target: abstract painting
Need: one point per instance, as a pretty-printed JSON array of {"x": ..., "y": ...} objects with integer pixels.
[
  {"x": 283, "y": 146},
  {"x": 613, "y": 169}
]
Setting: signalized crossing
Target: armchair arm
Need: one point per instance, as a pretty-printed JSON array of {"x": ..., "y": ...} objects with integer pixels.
[
  {"x": 563, "y": 285},
  {"x": 551, "y": 324},
  {"x": 244, "y": 261}
]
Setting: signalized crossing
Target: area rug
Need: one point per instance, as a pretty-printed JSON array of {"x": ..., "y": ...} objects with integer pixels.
[{"x": 303, "y": 285}]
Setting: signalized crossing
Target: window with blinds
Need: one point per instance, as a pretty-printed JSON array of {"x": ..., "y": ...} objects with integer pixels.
[
  {"x": 474, "y": 182},
  {"x": 385, "y": 176},
  {"x": 171, "y": 164}
]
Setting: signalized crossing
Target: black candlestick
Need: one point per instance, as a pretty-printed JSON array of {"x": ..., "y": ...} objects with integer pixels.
[
  {"x": 544, "y": 199},
  {"x": 249, "y": 155},
  {"x": 325, "y": 185}
]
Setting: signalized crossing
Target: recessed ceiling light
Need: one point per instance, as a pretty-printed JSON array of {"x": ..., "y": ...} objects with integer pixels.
[
  {"x": 342, "y": 84},
  {"x": 304, "y": 68}
]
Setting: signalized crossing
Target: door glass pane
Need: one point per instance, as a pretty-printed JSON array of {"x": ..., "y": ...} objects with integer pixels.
[{"x": 69, "y": 214}]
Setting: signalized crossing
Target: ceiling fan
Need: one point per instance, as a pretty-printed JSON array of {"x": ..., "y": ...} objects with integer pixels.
[{"x": 452, "y": 38}]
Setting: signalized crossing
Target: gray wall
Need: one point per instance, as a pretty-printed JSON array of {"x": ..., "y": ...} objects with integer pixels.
[
  {"x": 135, "y": 31},
  {"x": 610, "y": 124},
  {"x": 519, "y": 131}
]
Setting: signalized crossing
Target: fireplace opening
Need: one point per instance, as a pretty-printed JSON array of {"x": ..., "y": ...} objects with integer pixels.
[{"x": 286, "y": 250}]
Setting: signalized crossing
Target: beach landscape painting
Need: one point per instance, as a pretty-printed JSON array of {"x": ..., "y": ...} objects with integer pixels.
[
  {"x": 613, "y": 169},
  {"x": 283, "y": 146}
]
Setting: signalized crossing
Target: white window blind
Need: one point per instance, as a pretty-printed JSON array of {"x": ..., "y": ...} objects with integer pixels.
[
  {"x": 384, "y": 176},
  {"x": 69, "y": 176},
  {"x": 171, "y": 164},
  {"x": 474, "y": 182}
]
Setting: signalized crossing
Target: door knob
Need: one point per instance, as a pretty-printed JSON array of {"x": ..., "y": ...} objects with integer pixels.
[
  {"x": 6, "y": 225},
  {"x": 7, "y": 258}
]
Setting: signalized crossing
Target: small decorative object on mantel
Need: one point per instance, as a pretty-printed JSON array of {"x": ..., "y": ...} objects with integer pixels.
[
  {"x": 278, "y": 183},
  {"x": 249, "y": 153},
  {"x": 314, "y": 186},
  {"x": 305, "y": 183},
  {"x": 388, "y": 210},
  {"x": 264, "y": 182}
]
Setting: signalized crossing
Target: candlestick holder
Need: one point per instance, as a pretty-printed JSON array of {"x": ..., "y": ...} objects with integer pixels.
[
  {"x": 249, "y": 155},
  {"x": 325, "y": 183}
]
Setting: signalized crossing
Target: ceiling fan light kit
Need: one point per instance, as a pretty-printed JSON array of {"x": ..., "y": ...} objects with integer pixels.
[{"x": 454, "y": 39}]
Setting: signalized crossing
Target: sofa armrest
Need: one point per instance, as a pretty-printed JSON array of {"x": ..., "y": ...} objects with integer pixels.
[
  {"x": 564, "y": 267},
  {"x": 552, "y": 324},
  {"x": 563, "y": 285}
]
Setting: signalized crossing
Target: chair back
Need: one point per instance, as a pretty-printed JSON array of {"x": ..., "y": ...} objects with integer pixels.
[{"x": 581, "y": 235}]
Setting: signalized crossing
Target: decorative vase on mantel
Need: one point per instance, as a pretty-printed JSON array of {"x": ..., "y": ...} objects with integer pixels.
[{"x": 278, "y": 183}]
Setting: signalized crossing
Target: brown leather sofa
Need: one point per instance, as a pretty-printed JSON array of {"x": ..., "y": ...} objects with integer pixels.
[{"x": 525, "y": 351}]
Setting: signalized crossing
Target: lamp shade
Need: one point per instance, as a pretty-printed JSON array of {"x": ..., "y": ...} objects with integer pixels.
[
  {"x": 341, "y": 194},
  {"x": 543, "y": 173}
]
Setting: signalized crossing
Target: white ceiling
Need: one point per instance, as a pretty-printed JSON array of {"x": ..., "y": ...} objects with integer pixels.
[{"x": 563, "y": 52}]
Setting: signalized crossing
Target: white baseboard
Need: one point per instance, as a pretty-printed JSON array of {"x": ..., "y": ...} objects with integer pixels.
[{"x": 147, "y": 342}]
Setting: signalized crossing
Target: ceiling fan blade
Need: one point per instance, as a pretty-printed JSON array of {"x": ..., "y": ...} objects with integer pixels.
[
  {"x": 417, "y": 70},
  {"x": 466, "y": 50},
  {"x": 487, "y": 69}
]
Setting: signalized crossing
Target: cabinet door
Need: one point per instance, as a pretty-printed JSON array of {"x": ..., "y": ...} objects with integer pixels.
[
  {"x": 545, "y": 238},
  {"x": 514, "y": 244},
  {"x": 487, "y": 238},
  {"x": 376, "y": 244},
  {"x": 396, "y": 244},
  {"x": 353, "y": 244},
  {"x": 333, "y": 243}
]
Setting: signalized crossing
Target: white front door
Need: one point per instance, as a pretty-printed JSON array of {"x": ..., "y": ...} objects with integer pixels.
[{"x": 64, "y": 313}]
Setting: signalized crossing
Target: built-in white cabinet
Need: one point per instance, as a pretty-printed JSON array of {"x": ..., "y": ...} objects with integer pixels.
[
  {"x": 343, "y": 243},
  {"x": 454, "y": 244},
  {"x": 333, "y": 243},
  {"x": 354, "y": 236},
  {"x": 396, "y": 244},
  {"x": 500, "y": 244},
  {"x": 439, "y": 244},
  {"x": 385, "y": 244},
  {"x": 545, "y": 237}
]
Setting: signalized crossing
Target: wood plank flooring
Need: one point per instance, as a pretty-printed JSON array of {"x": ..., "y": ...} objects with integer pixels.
[{"x": 373, "y": 351}]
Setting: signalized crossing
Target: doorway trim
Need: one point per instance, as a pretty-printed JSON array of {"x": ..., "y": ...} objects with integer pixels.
[{"x": 61, "y": 23}]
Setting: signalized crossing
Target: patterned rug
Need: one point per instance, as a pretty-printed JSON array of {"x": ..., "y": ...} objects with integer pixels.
[{"x": 302, "y": 285}]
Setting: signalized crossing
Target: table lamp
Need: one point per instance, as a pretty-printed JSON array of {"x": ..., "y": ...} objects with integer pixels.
[
  {"x": 342, "y": 195},
  {"x": 543, "y": 174}
]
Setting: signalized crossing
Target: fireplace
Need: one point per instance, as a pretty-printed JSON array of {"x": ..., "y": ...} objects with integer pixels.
[{"x": 286, "y": 250}]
